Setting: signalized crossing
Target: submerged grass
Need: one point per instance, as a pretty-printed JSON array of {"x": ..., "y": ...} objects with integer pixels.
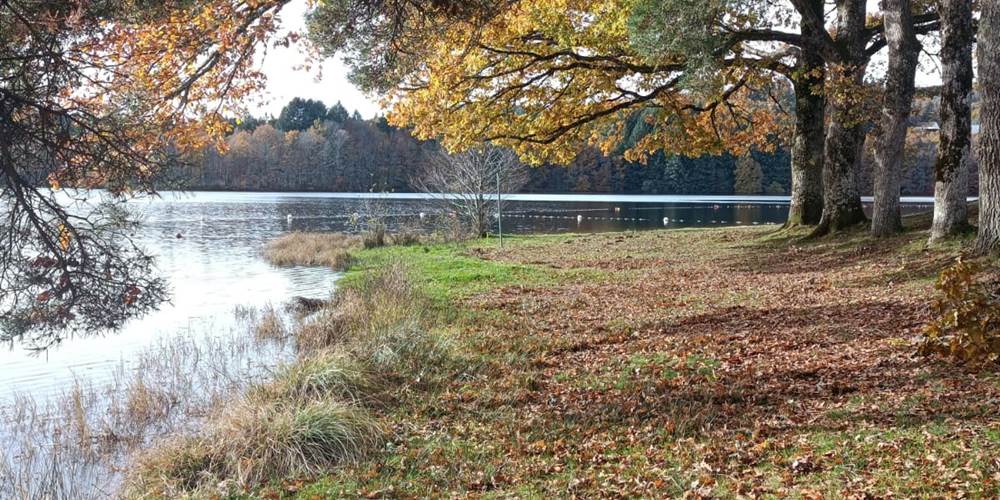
[
  {"x": 297, "y": 248},
  {"x": 75, "y": 444}
]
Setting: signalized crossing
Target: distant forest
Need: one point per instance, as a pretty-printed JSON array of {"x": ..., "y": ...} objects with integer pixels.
[{"x": 310, "y": 147}]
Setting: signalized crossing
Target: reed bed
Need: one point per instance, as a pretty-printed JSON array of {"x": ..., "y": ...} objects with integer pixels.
[
  {"x": 75, "y": 444},
  {"x": 297, "y": 248}
]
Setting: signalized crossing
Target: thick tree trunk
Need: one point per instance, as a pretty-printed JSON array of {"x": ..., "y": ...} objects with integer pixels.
[
  {"x": 806, "y": 206},
  {"x": 988, "y": 241},
  {"x": 951, "y": 172},
  {"x": 841, "y": 199},
  {"x": 903, "y": 52},
  {"x": 845, "y": 133}
]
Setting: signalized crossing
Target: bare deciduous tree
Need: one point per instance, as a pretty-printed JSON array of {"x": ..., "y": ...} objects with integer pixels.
[{"x": 466, "y": 183}]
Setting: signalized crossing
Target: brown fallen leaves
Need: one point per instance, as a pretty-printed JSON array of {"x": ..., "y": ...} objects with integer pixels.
[{"x": 723, "y": 363}]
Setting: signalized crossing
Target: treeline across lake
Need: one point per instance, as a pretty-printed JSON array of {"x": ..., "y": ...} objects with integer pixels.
[{"x": 310, "y": 147}]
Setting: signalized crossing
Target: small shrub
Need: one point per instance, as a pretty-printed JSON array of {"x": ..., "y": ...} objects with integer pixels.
[
  {"x": 405, "y": 238},
  {"x": 374, "y": 237},
  {"x": 966, "y": 327}
]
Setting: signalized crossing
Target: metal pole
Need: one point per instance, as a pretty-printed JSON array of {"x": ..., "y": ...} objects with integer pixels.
[{"x": 499, "y": 211}]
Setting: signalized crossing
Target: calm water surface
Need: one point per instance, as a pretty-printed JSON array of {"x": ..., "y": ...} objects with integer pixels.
[{"x": 209, "y": 248}]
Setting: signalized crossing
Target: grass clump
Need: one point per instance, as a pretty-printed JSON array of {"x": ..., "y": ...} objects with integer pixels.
[
  {"x": 382, "y": 323},
  {"x": 328, "y": 374},
  {"x": 332, "y": 250},
  {"x": 254, "y": 440},
  {"x": 270, "y": 326}
]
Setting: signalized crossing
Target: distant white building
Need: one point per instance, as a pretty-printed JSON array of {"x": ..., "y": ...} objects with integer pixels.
[{"x": 934, "y": 127}]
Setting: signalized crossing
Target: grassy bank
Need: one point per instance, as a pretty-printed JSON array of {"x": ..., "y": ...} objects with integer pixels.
[{"x": 697, "y": 362}]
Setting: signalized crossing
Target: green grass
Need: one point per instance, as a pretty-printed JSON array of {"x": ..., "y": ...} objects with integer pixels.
[{"x": 446, "y": 272}]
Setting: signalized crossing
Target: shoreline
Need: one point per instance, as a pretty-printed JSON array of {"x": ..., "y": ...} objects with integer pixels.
[
  {"x": 554, "y": 197},
  {"x": 705, "y": 361}
]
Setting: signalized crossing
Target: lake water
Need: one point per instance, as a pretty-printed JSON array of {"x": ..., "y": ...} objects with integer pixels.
[{"x": 208, "y": 246}]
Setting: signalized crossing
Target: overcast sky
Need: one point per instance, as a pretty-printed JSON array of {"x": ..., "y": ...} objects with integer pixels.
[{"x": 284, "y": 82}]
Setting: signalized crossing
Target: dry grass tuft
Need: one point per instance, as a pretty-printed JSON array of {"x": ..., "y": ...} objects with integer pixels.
[
  {"x": 330, "y": 374},
  {"x": 381, "y": 322},
  {"x": 270, "y": 326},
  {"x": 312, "y": 249},
  {"x": 254, "y": 440},
  {"x": 405, "y": 238}
]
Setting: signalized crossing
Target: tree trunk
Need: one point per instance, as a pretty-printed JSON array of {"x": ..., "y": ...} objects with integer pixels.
[
  {"x": 951, "y": 172},
  {"x": 903, "y": 52},
  {"x": 845, "y": 133},
  {"x": 988, "y": 241},
  {"x": 806, "y": 206}
]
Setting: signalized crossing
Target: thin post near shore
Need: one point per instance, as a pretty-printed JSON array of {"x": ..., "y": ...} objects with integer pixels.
[{"x": 499, "y": 212}]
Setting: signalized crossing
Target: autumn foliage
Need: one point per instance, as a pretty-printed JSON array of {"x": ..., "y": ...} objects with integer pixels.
[
  {"x": 546, "y": 76},
  {"x": 967, "y": 323},
  {"x": 105, "y": 95}
]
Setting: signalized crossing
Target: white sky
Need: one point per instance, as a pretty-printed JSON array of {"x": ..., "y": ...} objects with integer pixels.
[{"x": 285, "y": 82}]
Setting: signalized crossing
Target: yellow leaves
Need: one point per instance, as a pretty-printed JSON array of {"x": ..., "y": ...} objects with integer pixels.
[
  {"x": 64, "y": 237},
  {"x": 550, "y": 76}
]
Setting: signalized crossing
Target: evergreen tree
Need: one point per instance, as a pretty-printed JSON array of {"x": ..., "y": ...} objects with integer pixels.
[{"x": 300, "y": 114}]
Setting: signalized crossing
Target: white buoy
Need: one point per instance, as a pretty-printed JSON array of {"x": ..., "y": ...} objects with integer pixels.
[
  {"x": 289, "y": 218},
  {"x": 579, "y": 219},
  {"x": 666, "y": 220},
  {"x": 422, "y": 215}
]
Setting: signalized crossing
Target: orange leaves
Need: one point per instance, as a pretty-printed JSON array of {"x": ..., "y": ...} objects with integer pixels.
[
  {"x": 64, "y": 238},
  {"x": 179, "y": 70},
  {"x": 967, "y": 326},
  {"x": 53, "y": 181},
  {"x": 131, "y": 294}
]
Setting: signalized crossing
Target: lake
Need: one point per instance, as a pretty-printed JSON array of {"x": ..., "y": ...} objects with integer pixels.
[{"x": 208, "y": 246}]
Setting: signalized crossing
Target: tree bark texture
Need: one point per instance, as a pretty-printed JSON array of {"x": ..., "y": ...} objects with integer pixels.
[
  {"x": 951, "y": 171},
  {"x": 845, "y": 133},
  {"x": 806, "y": 206},
  {"x": 988, "y": 241},
  {"x": 897, "y": 101}
]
